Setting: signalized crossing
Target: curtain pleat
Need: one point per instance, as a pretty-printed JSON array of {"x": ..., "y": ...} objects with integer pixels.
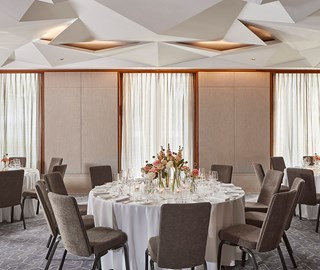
[{"x": 158, "y": 108}]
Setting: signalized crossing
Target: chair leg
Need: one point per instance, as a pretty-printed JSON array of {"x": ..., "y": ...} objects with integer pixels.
[
  {"x": 146, "y": 257},
  {"x": 252, "y": 257},
  {"x": 219, "y": 254},
  {"x": 289, "y": 249},
  {"x": 205, "y": 266},
  {"x": 38, "y": 207},
  {"x": 317, "y": 225},
  {"x": 12, "y": 211},
  {"x": 126, "y": 256},
  {"x": 22, "y": 216},
  {"x": 63, "y": 259},
  {"x": 284, "y": 266},
  {"x": 49, "y": 241},
  {"x": 51, "y": 246},
  {"x": 243, "y": 258},
  {"x": 96, "y": 260},
  {"x": 300, "y": 217},
  {"x": 151, "y": 264},
  {"x": 52, "y": 252}
]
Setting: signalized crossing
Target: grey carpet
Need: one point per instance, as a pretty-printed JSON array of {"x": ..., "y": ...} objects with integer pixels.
[{"x": 25, "y": 249}]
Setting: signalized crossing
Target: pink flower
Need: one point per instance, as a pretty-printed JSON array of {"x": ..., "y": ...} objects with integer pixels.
[
  {"x": 195, "y": 172},
  {"x": 156, "y": 162},
  {"x": 185, "y": 168}
]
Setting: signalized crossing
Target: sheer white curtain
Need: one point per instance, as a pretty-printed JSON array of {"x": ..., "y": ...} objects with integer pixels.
[
  {"x": 296, "y": 116},
  {"x": 158, "y": 108},
  {"x": 20, "y": 116}
]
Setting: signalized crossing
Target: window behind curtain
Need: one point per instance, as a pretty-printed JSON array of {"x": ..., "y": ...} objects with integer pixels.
[
  {"x": 158, "y": 108},
  {"x": 296, "y": 116},
  {"x": 20, "y": 116}
]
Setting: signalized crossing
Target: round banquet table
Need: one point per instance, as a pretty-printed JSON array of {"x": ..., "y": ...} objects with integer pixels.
[
  {"x": 308, "y": 211},
  {"x": 29, "y": 181},
  {"x": 140, "y": 221}
]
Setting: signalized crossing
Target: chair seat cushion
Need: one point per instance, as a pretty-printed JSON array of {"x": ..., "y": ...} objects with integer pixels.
[
  {"x": 249, "y": 235},
  {"x": 83, "y": 209},
  {"x": 284, "y": 188},
  {"x": 153, "y": 247},
  {"x": 30, "y": 193},
  {"x": 88, "y": 221},
  {"x": 255, "y": 218},
  {"x": 104, "y": 238},
  {"x": 255, "y": 206}
]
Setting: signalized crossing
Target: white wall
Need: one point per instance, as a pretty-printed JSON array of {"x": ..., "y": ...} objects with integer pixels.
[
  {"x": 234, "y": 122},
  {"x": 81, "y": 123}
]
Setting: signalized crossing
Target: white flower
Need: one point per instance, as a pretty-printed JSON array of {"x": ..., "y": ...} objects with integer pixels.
[
  {"x": 169, "y": 164},
  {"x": 151, "y": 175}
]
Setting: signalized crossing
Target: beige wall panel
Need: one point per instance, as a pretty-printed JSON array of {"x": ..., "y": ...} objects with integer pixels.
[
  {"x": 216, "y": 79},
  {"x": 252, "y": 131},
  {"x": 99, "y": 79},
  {"x": 62, "y": 79},
  {"x": 99, "y": 128},
  {"x": 216, "y": 126},
  {"x": 63, "y": 126},
  {"x": 252, "y": 79}
]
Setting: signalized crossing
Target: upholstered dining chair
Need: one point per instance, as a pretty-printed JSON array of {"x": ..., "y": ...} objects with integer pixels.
[
  {"x": 81, "y": 242},
  {"x": 224, "y": 172},
  {"x": 266, "y": 238},
  {"x": 278, "y": 164},
  {"x": 54, "y": 162},
  {"x": 23, "y": 160},
  {"x": 54, "y": 238},
  {"x": 11, "y": 183},
  {"x": 270, "y": 185},
  {"x": 61, "y": 169},
  {"x": 257, "y": 218},
  {"x": 100, "y": 175},
  {"x": 54, "y": 183},
  {"x": 309, "y": 196},
  {"x": 258, "y": 169},
  {"x": 182, "y": 236}
]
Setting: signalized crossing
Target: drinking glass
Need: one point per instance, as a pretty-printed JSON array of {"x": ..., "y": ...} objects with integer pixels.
[
  {"x": 202, "y": 173},
  {"x": 215, "y": 176}
]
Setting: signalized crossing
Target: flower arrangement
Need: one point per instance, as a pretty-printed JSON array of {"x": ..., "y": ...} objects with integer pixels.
[
  {"x": 316, "y": 157},
  {"x": 5, "y": 160}
]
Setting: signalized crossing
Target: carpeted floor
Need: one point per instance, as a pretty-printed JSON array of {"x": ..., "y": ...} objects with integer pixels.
[{"x": 25, "y": 249}]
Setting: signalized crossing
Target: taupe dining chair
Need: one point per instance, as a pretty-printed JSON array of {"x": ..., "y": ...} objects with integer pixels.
[
  {"x": 54, "y": 183},
  {"x": 11, "y": 183},
  {"x": 266, "y": 238},
  {"x": 182, "y": 236},
  {"x": 270, "y": 185},
  {"x": 278, "y": 164},
  {"x": 23, "y": 160},
  {"x": 61, "y": 169},
  {"x": 257, "y": 218},
  {"x": 258, "y": 169},
  {"x": 53, "y": 162},
  {"x": 224, "y": 172},
  {"x": 100, "y": 175},
  {"x": 309, "y": 196},
  {"x": 42, "y": 193},
  {"x": 77, "y": 240}
]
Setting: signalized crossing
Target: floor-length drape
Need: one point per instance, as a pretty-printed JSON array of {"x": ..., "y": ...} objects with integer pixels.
[
  {"x": 296, "y": 116},
  {"x": 20, "y": 116},
  {"x": 158, "y": 108}
]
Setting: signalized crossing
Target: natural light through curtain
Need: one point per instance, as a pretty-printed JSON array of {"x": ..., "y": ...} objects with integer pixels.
[
  {"x": 158, "y": 108},
  {"x": 296, "y": 116},
  {"x": 20, "y": 116}
]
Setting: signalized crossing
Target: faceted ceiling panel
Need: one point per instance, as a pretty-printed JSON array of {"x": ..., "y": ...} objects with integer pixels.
[{"x": 168, "y": 34}]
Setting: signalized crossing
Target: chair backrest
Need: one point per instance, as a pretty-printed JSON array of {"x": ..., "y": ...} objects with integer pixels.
[
  {"x": 276, "y": 218},
  {"x": 277, "y": 163},
  {"x": 100, "y": 175},
  {"x": 224, "y": 172},
  {"x": 23, "y": 160},
  {"x": 309, "y": 159},
  {"x": 46, "y": 206},
  {"x": 54, "y": 161},
  {"x": 61, "y": 169},
  {"x": 11, "y": 183},
  {"x": 71, "y": 228},
  {"x": 270, "y": 185},
  {"x": 55, "y": 184},
  {"x": 308, "y": 195},
  {"x": 258, "y": 169},
  {"x": 297, "y": 185},
  {"x": 183, "y": 235}
]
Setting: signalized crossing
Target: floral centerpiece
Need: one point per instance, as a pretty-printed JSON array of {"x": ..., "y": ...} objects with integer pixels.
[
  {"x": 194, "y": 175},
  {"x": 5, "y": 160},
  {"x": 165, "y": 161},
  {"x": 316, "y": 159}
]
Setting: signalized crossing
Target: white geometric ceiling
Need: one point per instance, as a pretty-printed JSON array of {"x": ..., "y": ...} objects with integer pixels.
[{"x": 159, "y": 34}]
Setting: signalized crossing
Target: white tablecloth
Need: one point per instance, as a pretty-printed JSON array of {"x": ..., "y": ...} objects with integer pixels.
[
  {"x": 29, "y": 181},
  {"x": 308, "y": 211},
  {"x": 141, "y": 222}
]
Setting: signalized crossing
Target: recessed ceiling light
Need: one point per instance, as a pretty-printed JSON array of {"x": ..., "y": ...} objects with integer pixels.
[
  {"x": 253, "y": 58},
  {"x": 61, "y": 59}
]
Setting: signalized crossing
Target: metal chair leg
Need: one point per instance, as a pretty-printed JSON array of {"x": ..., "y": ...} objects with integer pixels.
[
  {"x": 95, "y": 263},
  {"x": 300, "y": 217},
  {"x": 317, "y": 225},
  {"x": 52, "y": 252},
  {"x": 289, "y": 249},
  {"x": 152, "y": 264},
  {"x": 38, "y": 207},
  {"x": 281, "y": 258},
  {"x": 243, "y": 259},
  {"x": 22, "y": 216},
  {"x": 63, "y": 259},
  {"x": 12, "y": 211},
  {"x": 146, "y": 260},
  {"x": 205, "y": 267},
  {"x": 51, "y": 246},
  {"x": 252, "y": 257},
  {"x": 219, "y": 254},
  {"x": 49, "y": 241},
  {"x": 126, "y": 256}
]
